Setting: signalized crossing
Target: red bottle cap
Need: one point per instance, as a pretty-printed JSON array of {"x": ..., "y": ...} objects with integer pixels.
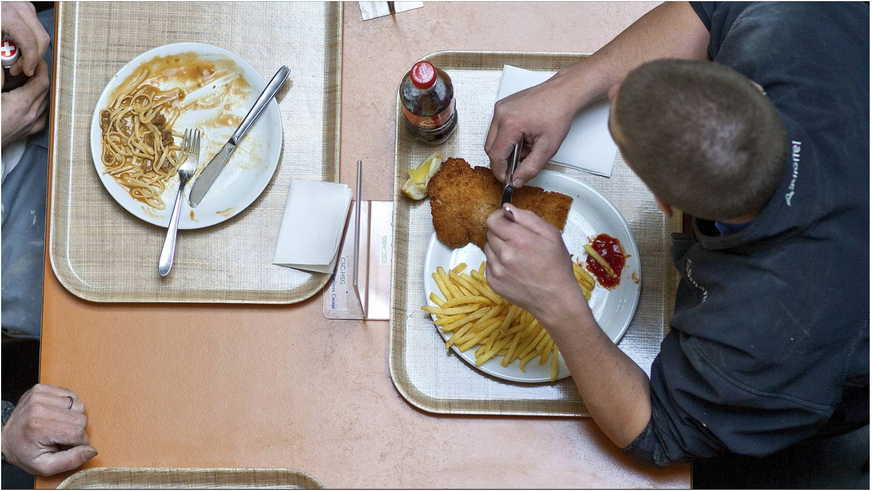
[{"x": 423, "y": 75}]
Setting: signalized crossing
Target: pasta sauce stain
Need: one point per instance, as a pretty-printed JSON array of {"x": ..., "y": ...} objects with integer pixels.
[
  {"x": 610, "y": 250},
  {"x": 187, "y": 71}
]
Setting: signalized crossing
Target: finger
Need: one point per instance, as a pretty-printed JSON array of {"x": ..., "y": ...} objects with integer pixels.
[
  {"x": 491, "y": 260},
  {"x": 38, "y": 107},
  {"x": 38, "y": 38},
  {"x": 67, "y": 416},
  {"x": 61, "y": 403},
  {"x": 498, "y": 246},
  {"x": 78, "y": 405},
  {"x": 525, "y": 151},
  {"x": 42, "y": 38},
  {"x": 35, "y": 86},
  {"x": 492, "y": 131},
  {"x": 35, "y": 128},
  {"x": 530, "y": 221},
  {"x": 25, "y": 38},
  {"x": 531, "y": 165},
  {"x": 59, "y": 433},
  {"x": 501, "y": 151},
  {"x": 499, "y": 225},
  {"x": 54, "y": 463}
]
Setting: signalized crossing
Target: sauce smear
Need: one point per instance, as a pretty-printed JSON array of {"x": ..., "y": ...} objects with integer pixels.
[{"x": 610, "y": 250}]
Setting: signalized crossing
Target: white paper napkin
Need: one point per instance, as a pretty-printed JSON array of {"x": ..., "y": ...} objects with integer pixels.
[
  {"x": 589, "y": 146},
  {"x": 312, "y": 225}
]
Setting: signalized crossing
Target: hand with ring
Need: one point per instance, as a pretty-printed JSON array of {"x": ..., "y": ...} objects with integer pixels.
[{"x": 45, "y": 434}]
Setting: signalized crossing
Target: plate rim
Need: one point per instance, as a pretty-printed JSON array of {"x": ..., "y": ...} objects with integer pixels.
[
  {"x": 94, "y": 132},
  {"x": 561, "y": 362}
]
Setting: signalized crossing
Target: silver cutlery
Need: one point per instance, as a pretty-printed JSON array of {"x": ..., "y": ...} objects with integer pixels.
[
  {"x": 216, "y": 165},
  {"x": 190, "y": 153},
  {"x": 512, "y": 165}
]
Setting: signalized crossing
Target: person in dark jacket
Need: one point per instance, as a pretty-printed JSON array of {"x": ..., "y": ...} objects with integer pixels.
[{"x": 753, "y": 119}]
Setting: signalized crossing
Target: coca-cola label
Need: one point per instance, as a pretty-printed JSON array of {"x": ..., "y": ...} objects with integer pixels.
[{"x": 430, "y": 122}]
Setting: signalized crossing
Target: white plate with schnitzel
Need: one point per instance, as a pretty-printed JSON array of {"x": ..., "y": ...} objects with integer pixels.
[
  {"x": 590, "y": 214},
  {"x": 172, "y": 88}
]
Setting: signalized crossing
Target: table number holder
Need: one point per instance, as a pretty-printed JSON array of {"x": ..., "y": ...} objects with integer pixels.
[{"x": 360, "y": 288}]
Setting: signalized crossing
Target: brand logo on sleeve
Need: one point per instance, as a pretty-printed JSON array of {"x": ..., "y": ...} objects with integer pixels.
[
  {"x": 693, "y": 282},
  {"x": 795, "y": 166}
]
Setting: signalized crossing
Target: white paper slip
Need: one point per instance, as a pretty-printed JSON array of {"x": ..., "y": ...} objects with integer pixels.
[
  {"x": 588, "y": 146},
  {"x": 312, "y": 225}
]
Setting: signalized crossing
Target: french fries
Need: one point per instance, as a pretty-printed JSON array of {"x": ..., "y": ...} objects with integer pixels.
[
  {"x": 474, "y": 315},
  {"x": 597, "y": 257}
]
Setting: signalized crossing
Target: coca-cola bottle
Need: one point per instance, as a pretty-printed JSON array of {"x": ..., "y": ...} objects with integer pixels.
[{"x": 428, "y": 100}]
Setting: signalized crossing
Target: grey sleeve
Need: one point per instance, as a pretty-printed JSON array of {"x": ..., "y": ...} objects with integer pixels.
[{"x": 8, "y": 407}]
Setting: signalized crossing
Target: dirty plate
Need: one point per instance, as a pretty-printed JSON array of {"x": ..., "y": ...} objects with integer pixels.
[{"x": 247, "y": 173}]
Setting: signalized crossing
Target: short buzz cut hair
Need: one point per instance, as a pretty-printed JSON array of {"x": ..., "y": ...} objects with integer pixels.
[{"x": 701, "y": 136}]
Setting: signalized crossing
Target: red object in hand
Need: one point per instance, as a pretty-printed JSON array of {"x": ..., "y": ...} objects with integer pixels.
[
  {"x": 610, "y": 250},
  {"x": 8, "y": 52}
]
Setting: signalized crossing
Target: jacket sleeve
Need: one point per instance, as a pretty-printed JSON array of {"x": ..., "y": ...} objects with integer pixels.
[{"x": 699, "y": 410}]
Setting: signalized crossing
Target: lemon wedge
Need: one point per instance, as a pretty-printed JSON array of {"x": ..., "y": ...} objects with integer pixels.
[{"x": 416, "y": 186}]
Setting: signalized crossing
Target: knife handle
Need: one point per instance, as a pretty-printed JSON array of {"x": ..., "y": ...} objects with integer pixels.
[
  {"x": 512, "y": 165},
  {"x": 269, "y": 91}
]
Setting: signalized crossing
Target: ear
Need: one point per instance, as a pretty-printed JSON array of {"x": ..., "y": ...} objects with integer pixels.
[
  {"x": 612, "y": 92},
  {"x": 664, "y": 207}
]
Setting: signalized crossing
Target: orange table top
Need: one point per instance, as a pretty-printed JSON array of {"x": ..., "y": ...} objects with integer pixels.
[{"x": 281, "y": 386}]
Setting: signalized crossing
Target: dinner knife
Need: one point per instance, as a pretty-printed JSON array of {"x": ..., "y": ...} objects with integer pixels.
[
  {"x": 212, "y": 170},
  {"x": 510, "y": 170}
]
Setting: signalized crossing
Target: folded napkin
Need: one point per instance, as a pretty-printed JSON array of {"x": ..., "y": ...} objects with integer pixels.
[
  {"x": 312, "y": 225},
  {"x": 589, "y": 146}
]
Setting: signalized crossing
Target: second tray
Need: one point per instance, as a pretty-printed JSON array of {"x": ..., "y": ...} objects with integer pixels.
[{"x": 440, "y": 382}]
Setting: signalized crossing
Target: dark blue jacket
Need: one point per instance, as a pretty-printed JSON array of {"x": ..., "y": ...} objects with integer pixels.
[{"x": 769, "y": 343}]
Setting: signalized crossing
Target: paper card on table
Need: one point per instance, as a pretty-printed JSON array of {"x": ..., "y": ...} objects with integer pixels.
[
  {"x": 588, "y": 146},
  {"x": 312, "y": 225}
]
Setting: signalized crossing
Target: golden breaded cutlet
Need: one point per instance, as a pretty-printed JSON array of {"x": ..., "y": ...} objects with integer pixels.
[{"x": 462, "y": 198}]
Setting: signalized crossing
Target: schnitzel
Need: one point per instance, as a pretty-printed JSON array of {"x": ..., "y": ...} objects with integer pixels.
[{"x": 461, "y": 198}]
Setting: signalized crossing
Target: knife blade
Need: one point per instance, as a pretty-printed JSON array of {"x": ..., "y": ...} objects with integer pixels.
[
  {"x": 510, "y": 170},
  {"x": 213, "y": 169}
]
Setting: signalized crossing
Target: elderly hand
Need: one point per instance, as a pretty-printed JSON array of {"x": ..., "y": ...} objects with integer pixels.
[
  {"x": 24, "y": 109},
  {"x": 540, "y": 117},
  {"x": 528, "y": 264},
  {"x": 44, "y": 435},
  {"x": 19, "y": 20}
]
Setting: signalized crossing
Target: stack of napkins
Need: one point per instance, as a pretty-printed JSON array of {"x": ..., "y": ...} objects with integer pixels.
[
  {"x": 588, "y": 146},
  {"x": 312, "y": 225}
]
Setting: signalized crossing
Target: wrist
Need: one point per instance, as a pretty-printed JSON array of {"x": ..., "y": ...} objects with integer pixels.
[
  {"x": 576, "y": 86},
  {"x": 564, "y": 310}
]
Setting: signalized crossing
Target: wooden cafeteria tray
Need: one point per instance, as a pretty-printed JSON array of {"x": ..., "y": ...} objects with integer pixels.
[
  {"x": 189, "y": 478},
  {"x": 422, "y": 371},
  {"x": 102, "y": 253}
]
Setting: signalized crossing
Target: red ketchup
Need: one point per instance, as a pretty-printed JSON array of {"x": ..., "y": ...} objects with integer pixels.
[{"x": 610, "y": 250}]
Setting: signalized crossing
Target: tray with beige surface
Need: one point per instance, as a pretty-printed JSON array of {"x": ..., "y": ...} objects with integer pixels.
[
  {"x": 481, "y": 378},
  {"x": 190, "y": 478},
  {"x": 130, "y": 79}
]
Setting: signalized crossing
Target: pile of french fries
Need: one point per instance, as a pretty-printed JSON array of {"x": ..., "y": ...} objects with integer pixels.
[{"x": 476, "y": 316}]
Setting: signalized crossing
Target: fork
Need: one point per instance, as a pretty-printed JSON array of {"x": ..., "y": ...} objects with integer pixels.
[{"x": 190, "y": 155}]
